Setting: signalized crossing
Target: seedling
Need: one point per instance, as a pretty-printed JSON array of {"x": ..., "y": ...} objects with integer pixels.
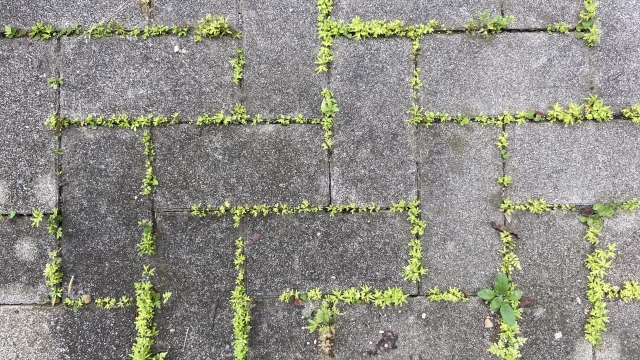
[
  {"x": 484, "y": 25},
  {"x": 53, "y": 275},
  {"x": 55, "y": 82},
  {"x": 502, "y": 298},
  {"x": 238, "y": 66}
]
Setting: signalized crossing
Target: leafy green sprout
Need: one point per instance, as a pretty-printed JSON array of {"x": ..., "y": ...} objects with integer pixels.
[
  {"x": 501, "y": 298},
  {"x": 53, "y": 274},
  {"x": 238, "y": 66},
  {"x": 55, "y": 82},
  {"x": 484, "y": 25}
]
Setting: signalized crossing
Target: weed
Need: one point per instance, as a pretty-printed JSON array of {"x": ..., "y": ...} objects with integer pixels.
[
  {"x": 503, "y": 298},
  {"x": 108, "y": 303},
  {"x": 632, "y": 113},
  {"x": 502, "y": 145},
  {"x": 484, "y": 25},
  {"x": 147, "y": 299},
  {"x": 55, "y": 82},
  {"x": 630, "y": 291},
  {"x": 596, "y": 110},
  {"x": 36, "y": 217},
  {"x": 75, "y": 304},
  {"x": 504, "y": 180},
  {"x": 329, "y": 109},
  {"x": 155, "y": 30},
  {"x": 55, "y": 220},
  {"x": 451, "y": 295},
  {"x": 240, "y": 302},
  {"x": 147, "y": 245},
  {"x": 415, "y": 267},
  {"x": 510, "y": 260},
  {"x": 53, "y": 275},
  {"x": 179, "y": 31},
  {"x": 597, "y": 262},
  {"x": 238, "y": 66},
  {"x": 212, "y": 26},
  {"x": 150, "y": 181},
  {"x": 561, "y": 27},
  {"x": 587, "y": 29}
]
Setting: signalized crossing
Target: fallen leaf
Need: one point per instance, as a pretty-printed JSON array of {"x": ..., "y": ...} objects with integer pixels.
[
  {"x": 587, "y": 211},
  {"x": 254, "y": 238},
  {"x": 297, "y": 302},
  {"x": 501, "y": 227}
]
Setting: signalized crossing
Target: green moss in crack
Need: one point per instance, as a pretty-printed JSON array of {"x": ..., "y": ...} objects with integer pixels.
[
  {"x": 630, "y": 291},
  {"x": 587, "y": 28},
  {"x": 238, "y": 66},
  {"x": 632, "y": 113},
  {"x": 53, "y": 274},
  {"x": 483, "y": 24},
  {"x": 147, "y": 244},
  {"x": 415, "y": 267},
  {"x": 452, "y": 295},
  {"x": 329, "y": 109},
  {"x": 212, "y": 26},
  {"x": 597, "y": 263},
  {"x": 240, "y": 303}
]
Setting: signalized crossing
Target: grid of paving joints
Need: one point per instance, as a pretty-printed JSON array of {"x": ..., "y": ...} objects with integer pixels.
[{"x": 330, "y": 153}]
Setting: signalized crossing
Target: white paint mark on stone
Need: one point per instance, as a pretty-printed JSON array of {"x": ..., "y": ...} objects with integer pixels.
[{"x": 558, "y": 335}]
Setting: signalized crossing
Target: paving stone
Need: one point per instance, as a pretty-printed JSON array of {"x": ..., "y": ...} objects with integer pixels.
[
  {"x": 459, "y": 166},
  {"x": 26, "y": 333},
  {"x": 63, "y": 13},
  {"x": 23, "y": 261},
  {"x": 552, "y": 252},
  {"x": 102, "y": 171},
  {"x": 306, "y": 251},
  {"x": 27, "y": 165},
  {"x": 137, "y": 77},
  {"x": 280, "y": 48},
  {"x": 544, "y": 162},
  {"x": 194, "y": 261},
  {"x": 469, "y": 74},
  {"x": 447, "y": 331},
  {"x": 450, "y": 13},
  {"x": 181, "y": 11},
  {"x": 540, "y": 13},
  {"x": 277, "y": 331},
  {"x": 373, "y": 157},
  {"x": 621, "y": 341},
  {"x": 624, "y": 231},
  {"x": 617, "y": 70},
  {"x": 94, "y": 333},
  {"x": 240, "y": 164}
]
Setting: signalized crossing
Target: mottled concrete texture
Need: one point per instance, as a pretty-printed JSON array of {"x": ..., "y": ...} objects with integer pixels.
[
  {"x": 449, "y": 13},
  {"x": 617, "y": 69},
  {"x": 552, "y": 252},
  {"x": 27, "y": 165},
  {"x": 458, "y": 169},
  {"x": 544, "y": 162},
  {"x": 277, "y": 331},
  {"x": 194, "y": 261},
  {"x": 373, "y": 157},
  {"x": 26, "y": 333},
  {"x": 537, "y": 14},
  {"x": 306, "y": 251},
  {"x": 624, "y": 231},
  {"x": 102, "y": 171},
  {"x": 424, "y": 329},
  {"x": 280, "y": 47},
  {"x": 621, "y": 341},
  {"x": 241, "y": 164},
  {"x": 180, "y": 12},
  {"x": 138, "y": 77},
  {"x": 471, "y": 75},
  {"x": 23, "y": 260}
]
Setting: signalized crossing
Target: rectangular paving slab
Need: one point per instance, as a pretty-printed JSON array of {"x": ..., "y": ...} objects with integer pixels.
[
  {"x": 459, "y": 166},
  {"x": 194, "y": 261},
  {"x": 23, "y": 260},
  {"x": 471, "y": 75},
  {"x": 240, "y": 164},
  {"x": 62, "y": 13},
  {"x": 373, "y": 157},
  {"x": 102, "y": 171},
  {"x": 552, "y": 251},
  {"x": 621, "y": 341},
  {"x": 26, "y": 333},
  {"x": 624, "y": 231},
  {"x": 180, "y": 12},
  {"x": 280, "y": 46},
  {"x": 306, "y": 251},
  {"x": 554, "y": 170},
  {"x": 617, "y": 69},
  {"x": 277, "y": 331},
  {"x": 137, "y": 77},
  {"x": 449, "y": 13},
  {"x": 424, "y": 330},
  {"x": 27, "y": 165},
  {"x": 537, "y": 14}
]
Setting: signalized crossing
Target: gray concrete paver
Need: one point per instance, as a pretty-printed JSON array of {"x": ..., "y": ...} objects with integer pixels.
[{"x": 537, "y": 14}]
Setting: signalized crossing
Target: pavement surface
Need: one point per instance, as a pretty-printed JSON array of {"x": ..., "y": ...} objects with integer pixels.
[{"x": 134, "y": 169}]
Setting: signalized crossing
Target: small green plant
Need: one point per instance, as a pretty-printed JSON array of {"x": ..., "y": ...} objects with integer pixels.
[
  {"x": 415, "y": 82},
  {"x": 212, "y": 26},
  {"x": 57, "y": 151},
  {"x": 75, "y": 304},
  {"x": 180, "y": 31},
  {"x": 150, "y": 181},
  {"x": 41, "y": 31},
  {"x": 55, "y": 82},
  {"x": 55, "y": 220},
  {"x": 484, "y": 25},
  {"x": 597, "y": 263},
  {"x": 154, "y": 30},
  {"x": 502, "y": 145},
  {"x": 596, "y": 110},
  {"x": 147, "y": 245},
  {"x": 504, "y": 180},
  {"x": 510, "y": 260},
  {"x": 329, "y": 109},
  {"x": 630, "y": 291},
  {"x": 108, "y": 303},
  {"x": 53, "y": 275},
  {"x": 147, "y": 300},
  {"x": 240, "y": 303},
  {"x": 238, "y": 66},
  {"x": 451, "y": 295},
  {"x": 503, "y": 298},
  {"x": 36, "y": 217},
  {"x": 561, "y": 27},
  {"x": 11, "y": 32},
  {"x": 632, "y": 113},
  {"x": 415, "y": 267},
  {"x": 587, "y": 28}
]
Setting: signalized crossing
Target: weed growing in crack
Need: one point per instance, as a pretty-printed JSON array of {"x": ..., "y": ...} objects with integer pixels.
[
  {"x": 147, "y": 245},
  {"x": 504, "y": 181},
  {"x": 109, "y": 302},
  {"x": 240, "y": 303},
  {"x": 75, "y": 304},
  {"x": 212, "y": 26},
  {"x": 36, "y": 217},
  {"x": 630, "y": 291},
  {"x": 329, "y": 109},
  {"x": 238, "y": 66},
  {"x": 55, "y": 82},
  {"x": 561, "y": 27},
  {"x": 597, "y": 263},
  {"x": 415, "y": 267},
  {"x": 483, "y": 24},
  {"x": 452, "y": 295},
  {"x": 502, "y": 145},
  {"x": 632, "y": 113},
  {"x": 54, "y": 221},
  {"x": 53, "y": 274},
  {"x": 587, "y": 28},
  {"x": 150, "y": 180},
  {"x": 533, "y": 206}
]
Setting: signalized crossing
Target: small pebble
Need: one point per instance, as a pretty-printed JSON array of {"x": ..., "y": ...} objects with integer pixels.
[
  {"x": 558, "y": 335},
  {"x": 579, "y": 301},
  {"x": 487, "y": 323},
  {"x": 424, "y": 315}
]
